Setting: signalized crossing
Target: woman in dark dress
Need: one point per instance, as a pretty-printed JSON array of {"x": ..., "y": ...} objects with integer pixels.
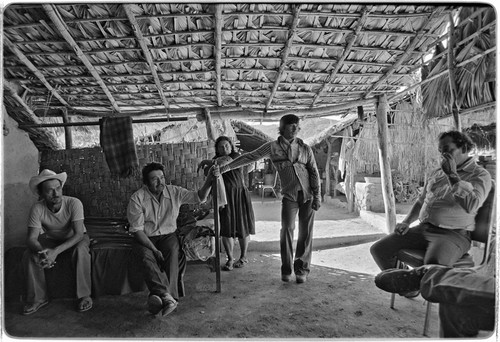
[{"x": 237, "y": 219}]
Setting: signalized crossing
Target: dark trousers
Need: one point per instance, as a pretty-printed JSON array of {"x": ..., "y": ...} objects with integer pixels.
[
  {"x": 442, "y": 246},
  {"x": 466, "y": 299},
  {"x": 36, "y": 287},
  {"x": 303, "y": 251},
  {"x": 167, "y": 277}
]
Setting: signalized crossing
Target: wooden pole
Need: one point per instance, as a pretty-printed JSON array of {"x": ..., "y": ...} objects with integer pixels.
[
  {"x": 327, "y": 167},
  {"x": 451, "y": 75},
  {"x": 68, "y": 139},
  {"x": 217, "y": 235},
  {"x": 385, "y": 165}
]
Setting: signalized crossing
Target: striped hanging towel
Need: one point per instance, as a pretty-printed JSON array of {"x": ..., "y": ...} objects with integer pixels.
[{"x": 117, "y": 142}]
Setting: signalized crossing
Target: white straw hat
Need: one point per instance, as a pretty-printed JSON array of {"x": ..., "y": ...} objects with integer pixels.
[{"x": 46, "y": 175}]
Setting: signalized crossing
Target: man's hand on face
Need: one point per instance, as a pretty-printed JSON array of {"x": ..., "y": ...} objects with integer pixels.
[{"x": 448, "y": 164}]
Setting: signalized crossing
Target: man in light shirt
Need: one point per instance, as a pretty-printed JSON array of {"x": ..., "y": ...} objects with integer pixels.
[
  {"x": 446, "y": 209},
  {"x": 152, "y": 213},
  {"x": 300, "y": 186},
  {"x": 55, "y": 226}
]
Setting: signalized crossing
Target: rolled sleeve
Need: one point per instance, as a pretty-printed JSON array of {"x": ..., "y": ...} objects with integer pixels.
[{"x": 135, "y": 215}]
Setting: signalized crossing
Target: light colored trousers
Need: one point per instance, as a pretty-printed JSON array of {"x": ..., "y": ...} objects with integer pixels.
[{"x": 36, "y": 287}]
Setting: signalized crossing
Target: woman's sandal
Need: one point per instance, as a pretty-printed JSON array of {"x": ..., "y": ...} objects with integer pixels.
[
  {"x": 228, "y": 266},
  {"x": 241, "y": 263}
]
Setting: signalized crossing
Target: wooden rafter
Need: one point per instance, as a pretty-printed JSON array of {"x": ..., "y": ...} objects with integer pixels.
[
  {"x": 34, "y": 70},
  {"x": 145, "y": 50},
  {"x": 61, "y": 26},
  {"x": 286, "y": 51},
  {"x": 218, "y": 52},
  {"x": 418, "y": 37},
  {"x": 347, "y": 51}
]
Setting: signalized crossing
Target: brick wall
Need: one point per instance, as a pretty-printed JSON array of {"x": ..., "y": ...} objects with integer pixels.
[{"x": 104, "y": 195}]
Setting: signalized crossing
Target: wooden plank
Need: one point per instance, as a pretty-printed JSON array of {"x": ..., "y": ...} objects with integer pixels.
[{"x": 385, "y": 165}]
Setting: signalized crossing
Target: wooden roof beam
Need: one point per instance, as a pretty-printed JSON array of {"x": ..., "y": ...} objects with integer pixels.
[
  {"x": 145, "y": 50},
  {"x": 218, "y": 52},
  {"x": 34, "y": 70},
  {"x": 350, "y": 43},
  {"x": 418, "y": 37},
  {"x": 61, "y": 26},
  {"x": 286, "y": 51}
]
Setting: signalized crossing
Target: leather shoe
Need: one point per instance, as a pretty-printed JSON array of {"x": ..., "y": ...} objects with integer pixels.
[
  {"x": 155, "y": 304},
  {"x": 402, "y": 281},
  {"x": 286, "y": 277},
  {"x": 169, "y": 304}
]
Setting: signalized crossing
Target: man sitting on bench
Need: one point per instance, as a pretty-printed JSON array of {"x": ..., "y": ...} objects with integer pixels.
[{"x": 61, "y": 219}]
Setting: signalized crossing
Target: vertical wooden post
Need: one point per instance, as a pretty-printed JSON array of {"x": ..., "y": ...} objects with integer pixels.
[
  {"x": 327, "y": 167},
  {"x": 215, "y": 203},
  {"x": 68, "y": 139},
  {"x": 385, "y": 165},
  {"x": 451, "y": 75}
]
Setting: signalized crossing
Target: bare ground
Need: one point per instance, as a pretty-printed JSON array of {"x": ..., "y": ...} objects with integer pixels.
[{"x": 338, "y": 301}]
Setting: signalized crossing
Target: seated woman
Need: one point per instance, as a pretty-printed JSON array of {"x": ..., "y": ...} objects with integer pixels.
[{"x": 236, "y": 218}]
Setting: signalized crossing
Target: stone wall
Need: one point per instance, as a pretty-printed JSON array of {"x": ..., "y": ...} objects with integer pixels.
[{"x": 105, "y": 195}]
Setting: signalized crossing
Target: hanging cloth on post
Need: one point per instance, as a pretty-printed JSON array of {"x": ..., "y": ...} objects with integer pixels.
[{"x": 117, "y": 142}]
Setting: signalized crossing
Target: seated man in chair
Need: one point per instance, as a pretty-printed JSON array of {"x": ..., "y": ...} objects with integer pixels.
[
  {"x": 466, "y": 296},
  {"x": 61, "y": 219},
  {"x": 446, "y": 209},
  {"x": 152, "y": 213}
]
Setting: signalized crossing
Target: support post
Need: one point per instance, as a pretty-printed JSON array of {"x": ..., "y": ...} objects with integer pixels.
[
  {"x": 215, "y": 203},
  {"x": 68, "y": 138},
  {"x": 451, "y": 75},
  {"x": 385, "y": 165}
]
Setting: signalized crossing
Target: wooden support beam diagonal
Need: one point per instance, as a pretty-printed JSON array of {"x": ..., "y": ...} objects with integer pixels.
[
  {"x": 61, "y": 26},
  {"x": 145, "y": 50},
  {"x": 218, "y": 52},
  {"x": 415, "y": 41},
  {"x": 347, "y": 50},
  {"x": 286, "y": 51},
  {"x": 34, "y": 70}
]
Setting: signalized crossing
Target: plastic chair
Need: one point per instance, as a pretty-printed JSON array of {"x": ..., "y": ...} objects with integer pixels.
[
  {"x": 415, "y": 257},
  {"x": 270, "y": 187}
]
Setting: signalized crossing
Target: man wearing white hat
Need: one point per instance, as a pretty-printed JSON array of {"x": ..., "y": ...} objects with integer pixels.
[{"x": 55, "y": 225}]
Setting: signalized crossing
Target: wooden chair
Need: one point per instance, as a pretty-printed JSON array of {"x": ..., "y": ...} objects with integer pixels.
[
  {"x": 270, "y": 187},
  {"x": 415, "y": 258}
]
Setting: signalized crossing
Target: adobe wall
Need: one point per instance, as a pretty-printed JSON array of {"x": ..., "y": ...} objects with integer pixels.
[{"x": 20, "y": 163}]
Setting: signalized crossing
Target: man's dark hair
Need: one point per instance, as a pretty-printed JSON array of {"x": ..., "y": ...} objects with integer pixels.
[
  {"x": 222, "y": 138},
  {"x": 287, "y": 120},
  {"x": 462, "y": 140},
  {"x": 148, "y": 168}
]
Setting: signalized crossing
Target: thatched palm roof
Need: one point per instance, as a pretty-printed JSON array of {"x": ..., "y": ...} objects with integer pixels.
[{"x": 246, "y": 61}]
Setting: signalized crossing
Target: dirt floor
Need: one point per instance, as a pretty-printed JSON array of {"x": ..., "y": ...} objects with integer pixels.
[{"x": 339, "y": 299}]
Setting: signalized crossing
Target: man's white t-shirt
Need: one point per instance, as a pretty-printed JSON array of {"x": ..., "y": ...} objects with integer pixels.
[{"x": 56, "y": 225}]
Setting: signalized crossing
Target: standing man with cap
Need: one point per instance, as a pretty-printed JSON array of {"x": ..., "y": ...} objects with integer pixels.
[
  {"x": 55, "y": 226},
  {"x": 295, "y": 163}
]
